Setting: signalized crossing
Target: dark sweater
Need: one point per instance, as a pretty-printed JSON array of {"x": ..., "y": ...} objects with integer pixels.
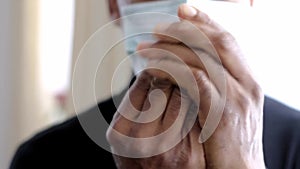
[{"x": 67, "y": 146}]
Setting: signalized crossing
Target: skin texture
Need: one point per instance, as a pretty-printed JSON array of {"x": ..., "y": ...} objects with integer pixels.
[
  {"x": 187, "y": 154},
  {"x": 237, "y": 140}
]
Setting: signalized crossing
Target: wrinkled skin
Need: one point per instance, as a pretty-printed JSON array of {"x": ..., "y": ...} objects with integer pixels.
[
  {"x": 237, "y": 140},
  {"x": 187, "y": 154}
]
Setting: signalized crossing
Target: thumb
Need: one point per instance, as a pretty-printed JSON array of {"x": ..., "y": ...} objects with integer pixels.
[{"x": 191, "y": 13}]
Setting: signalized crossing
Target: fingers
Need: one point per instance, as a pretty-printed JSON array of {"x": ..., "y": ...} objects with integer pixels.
[
  {"x": 132, "y": 104},
  {"x": 177, "y": 110},
  {"x": 190, "y": 13},
  {"x": 197, "y": 30},
  {"x": 184, "y": 32},
  {"x": 179, "y": 53},
  {"x": 156, "y": 101},
  {"x": 184, "y": 55},
  {"x": 150, "y": 118},
  {"x": 194, "y": 81},
  {"x": 209, "y": 104},
  {"x": 196, "y": 147}
]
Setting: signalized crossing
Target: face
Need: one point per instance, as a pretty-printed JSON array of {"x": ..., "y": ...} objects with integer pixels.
[{"x": 115, "y": 4}]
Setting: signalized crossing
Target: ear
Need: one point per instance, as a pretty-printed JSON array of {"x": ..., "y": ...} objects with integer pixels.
[{"x": 114, "y": 9}]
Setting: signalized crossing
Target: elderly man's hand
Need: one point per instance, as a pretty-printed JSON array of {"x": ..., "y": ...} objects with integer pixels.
[
  {"x": 236, "y": 141},
  {"x": 146, "y": 113},
  {"x": 233, "y": 140}
]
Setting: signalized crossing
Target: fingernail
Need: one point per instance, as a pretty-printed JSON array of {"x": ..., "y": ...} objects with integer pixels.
[{"x": 189, "y": 11}]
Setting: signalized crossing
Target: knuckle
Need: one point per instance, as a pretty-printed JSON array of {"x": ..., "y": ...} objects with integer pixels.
[
  {"x": 173, "y": 109},
  {"x": 130, "y": 144},
  {"x": 175, "y": 103},
  {"x": 245, "y": 102},
  {"x": 225, "y": 36},
  {"x": 205, "y": 18},
  {"x": 162, "y": 84},
  {"x": 200, "y": 78},
  {"x": 257, "y": 95},
  {"x": 256, "y": 92},
  {"x": 159, "y": 71},
  {"x": 224, "y": 40},
  {"x": 111, "y": 131},
  {"x": 202, "y": 82},
  {"x": 115, "y": 131},
  {"x": 175, "y": 28},
  {"x": 112, "y": 137},
  {"x": 135, "y": 132},
  {"x": 178, "y": 30},
  {"x": 143, "y": 80}
]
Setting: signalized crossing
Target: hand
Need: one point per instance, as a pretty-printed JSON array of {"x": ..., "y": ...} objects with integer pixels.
[
  {"x": 237, "y": 140},
  {"x": 144, "y": 113}
]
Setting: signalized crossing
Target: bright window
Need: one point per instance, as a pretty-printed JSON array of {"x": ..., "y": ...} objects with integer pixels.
[{"x": 55, "y": 50}]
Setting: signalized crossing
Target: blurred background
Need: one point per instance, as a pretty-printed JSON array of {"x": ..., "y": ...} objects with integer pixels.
[{"x": 41, "y": 39}]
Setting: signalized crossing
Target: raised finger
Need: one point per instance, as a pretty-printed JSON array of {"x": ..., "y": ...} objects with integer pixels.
[
  {"x": 149, "y": 120},
  {"x": 132, "y": 104}
]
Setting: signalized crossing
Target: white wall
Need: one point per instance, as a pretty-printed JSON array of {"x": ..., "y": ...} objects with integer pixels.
[
  {"x": 21, "y": 100},
  {"x": 90, "y": 16},
  {"x": 7, "y": 124},
  {"x": 277, "y": 64}
]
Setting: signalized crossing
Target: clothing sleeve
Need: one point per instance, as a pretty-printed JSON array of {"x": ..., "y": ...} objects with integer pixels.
[
  {"x": 296, "y": 146},
  {"x": 25, "y": 158}
]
